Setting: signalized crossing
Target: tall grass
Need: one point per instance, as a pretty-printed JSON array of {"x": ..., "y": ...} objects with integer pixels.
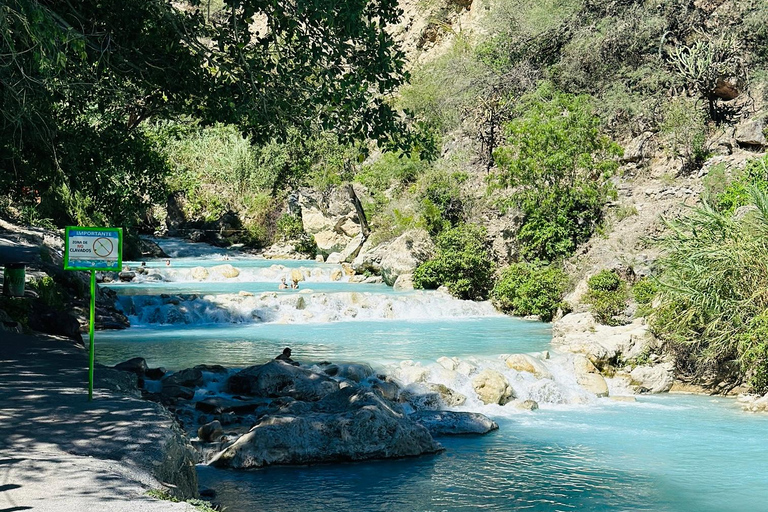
[{"x": 714, "y": 291}]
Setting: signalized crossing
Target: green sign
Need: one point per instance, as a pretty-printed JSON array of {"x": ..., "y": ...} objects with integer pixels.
[{"x": 93, "y": 249}]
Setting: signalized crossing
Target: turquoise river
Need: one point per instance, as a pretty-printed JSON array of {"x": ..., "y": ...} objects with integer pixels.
[{"x": 671, "y": 452}]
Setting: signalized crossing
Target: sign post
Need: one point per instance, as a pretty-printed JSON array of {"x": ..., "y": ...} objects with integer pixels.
[{"x": 93, "y": 249}]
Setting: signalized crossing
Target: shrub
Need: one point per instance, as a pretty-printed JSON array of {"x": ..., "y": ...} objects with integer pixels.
[
  {"x": 644, "y": 291},
  {"x": 608, "y": 297},
  {"x": 463, "y": 264},
  {"x": 753, "y": 346},
  {"x": 604, "y": 281},
  {"x": 558, "y": 164},
  {"x": 684, "y": 132},
  {"x": 530, "y": 289},
  {"x": 50, "y": 293},
  {"x": 737, "y": 192}
]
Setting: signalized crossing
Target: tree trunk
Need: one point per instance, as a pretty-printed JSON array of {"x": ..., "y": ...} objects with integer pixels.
[{"x": 364, "y": 229}]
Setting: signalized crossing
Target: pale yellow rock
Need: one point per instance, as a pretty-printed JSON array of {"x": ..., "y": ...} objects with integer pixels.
[
  {"x": 243, "y": 293},
  {"x": 347, "y": 268},
  {"x": 336, "y": 274},
  {"x": 200, "y": 273},
  {"x": 227, "y": 271},
  {"x": 526, "y": 363},
  {"x": 588, "y": 377},
  {"x": 296, "y": 275},
  {"x": 623, "y": 399},
  {"x": 492, "y": 387}
]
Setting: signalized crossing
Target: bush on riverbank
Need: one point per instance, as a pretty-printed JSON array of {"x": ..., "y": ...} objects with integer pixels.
[
  {"x": 463, "y": 264},
  {"x": 530, "y": 289},
  {"x": 607, "y": 296},
  {"x": 713, "y": 297}
]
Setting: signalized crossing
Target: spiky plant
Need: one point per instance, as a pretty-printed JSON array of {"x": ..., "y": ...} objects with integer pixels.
[{"x": 713, "y": 287}]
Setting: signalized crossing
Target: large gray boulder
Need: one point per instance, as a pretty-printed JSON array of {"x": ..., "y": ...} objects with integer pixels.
[
  {"x": 652, "y": 378},
  {"x": 449, "y": 423},
  {"x": 752, "y": 132},
  {"x": 278, "y": 378},
  {"x": 351, "y": 424}
]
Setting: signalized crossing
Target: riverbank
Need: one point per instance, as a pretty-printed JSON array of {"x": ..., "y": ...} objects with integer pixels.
[{"x": 59, "y": 452}]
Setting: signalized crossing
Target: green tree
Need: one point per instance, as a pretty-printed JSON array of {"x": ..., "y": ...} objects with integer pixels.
[
  {"x": 80, "y": 78},
  {"x": 558, "y": 164}
]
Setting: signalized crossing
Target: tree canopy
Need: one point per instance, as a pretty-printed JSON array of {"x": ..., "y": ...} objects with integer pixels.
[{"x": 77, "y": 79}]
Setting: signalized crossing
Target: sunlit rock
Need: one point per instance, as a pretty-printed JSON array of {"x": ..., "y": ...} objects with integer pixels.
[
  {"x": 227, "y": 271},
  {"x": 653, "y": 379},
  {"x": 526, "y": 363},
  {"x": 492, "y": 387},
  {"x": 350, "y": 424},
  {"x": 200, "y": 273},
  {"x": 588, "y": 377},
  {"x": 277, "y": 378}
]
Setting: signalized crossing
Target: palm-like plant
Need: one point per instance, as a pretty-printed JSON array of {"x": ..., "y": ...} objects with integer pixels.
[{"x": 713, "y": 287}]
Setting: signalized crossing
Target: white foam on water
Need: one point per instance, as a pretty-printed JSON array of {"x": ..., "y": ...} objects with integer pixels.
[{"x": 292, "y": 308}]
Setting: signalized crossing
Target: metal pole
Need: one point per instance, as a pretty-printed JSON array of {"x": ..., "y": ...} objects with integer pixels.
[{"x": 90, "y": 335}]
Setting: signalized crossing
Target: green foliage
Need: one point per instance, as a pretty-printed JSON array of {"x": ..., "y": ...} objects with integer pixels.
[
  {"x": 462, "y": 264},
  {"x": 684, "y": 132},
  {"x": 17, "y": 308},
  {"x": 74, "y": 101},
  {"x": 644, "y": 290},
  {"x": 51, "y": 294},
  {"x": 290, "y": 226},
  {"x": 753, "y": 347},
  {"x": 737, "y": 192},
  {"x": 558, "y": 165},
  {"x": 604, "y": 281},
  {"x": 607, "y": 295},
  {"x": 530, "y": 289},
  {"x": 714, "y": 283},
  {"x": 162, "y": 494}
]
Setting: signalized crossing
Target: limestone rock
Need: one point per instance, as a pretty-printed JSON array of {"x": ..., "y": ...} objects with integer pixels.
[
  {"x": 191, "y": 378},
  {"x": 448, "y": 396},
  {"x": 579, "y": 333},
  {"x": 278, "y": 379},
  {"x": 347, "y": 268},
  {"x": 330, "y": 241},
  {"x": 227, "y": 271},
  {"x": 528, "y": 405},
  {"x": 526, "y": 363},
  {"x": 404, "y": 282},
  {"x": 588, "y": 377},
  {"x": 492, "y": 387},
  {"x": 200, "y": 273},
  {"x": 653, "y": 379},
  {"x": 752, "y": 132},
  {"x": 210, "y": 432},
  {"x": 336, "y": 274},
  {"x": 314, "y": 221},
  {"x": 754, "y": 403},
  {"x": 448, "y": 423},
  {"x": 399, "y": 256},
  {"x": 137, "y": 365},
  {"x": 638, "y": 148},
  {"x": 350, "y": 371},
  {"x": 334, "y": 258},
  {"x": 296, "y": 275},
  {"x": 350, "y": 424}
]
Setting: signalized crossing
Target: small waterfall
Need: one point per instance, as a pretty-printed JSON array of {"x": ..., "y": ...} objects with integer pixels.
[
  {"x": 554, "y": 384},
  {"x": 291, "y": 307}
]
